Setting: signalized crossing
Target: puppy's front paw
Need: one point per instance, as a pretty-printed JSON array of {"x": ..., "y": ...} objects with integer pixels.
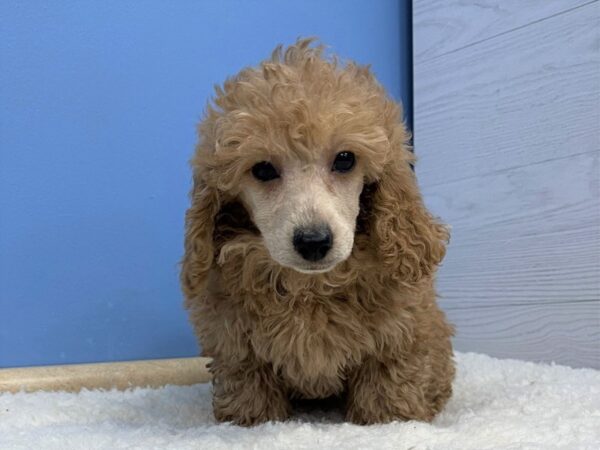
[
  {"x": 250, "y": 407},
  {"x": 249, "y": 396},
  {"x": 246, "y": 415},
  {"x": 383, "y": 412},
  {"x": 379, "y": 394}
]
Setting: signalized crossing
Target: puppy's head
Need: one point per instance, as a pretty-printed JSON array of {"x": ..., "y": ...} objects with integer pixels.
[{"x": 296, "y": 141}]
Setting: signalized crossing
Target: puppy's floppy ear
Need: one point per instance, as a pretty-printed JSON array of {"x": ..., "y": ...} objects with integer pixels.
[
  {"x": 410, "y": 242},
  {"x": 199, "y": 229}
]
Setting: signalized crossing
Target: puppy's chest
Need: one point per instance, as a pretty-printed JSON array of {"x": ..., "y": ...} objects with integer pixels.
[{"x": 313, "y": 344}]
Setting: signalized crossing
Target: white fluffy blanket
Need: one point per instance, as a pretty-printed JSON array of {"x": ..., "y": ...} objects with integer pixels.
[{"x": 501, "y": 404}]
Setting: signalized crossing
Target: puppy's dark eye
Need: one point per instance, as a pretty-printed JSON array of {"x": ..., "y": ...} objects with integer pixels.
[
  {"x": 343, "y": 162},
  {"x": 264, "y": 171}
]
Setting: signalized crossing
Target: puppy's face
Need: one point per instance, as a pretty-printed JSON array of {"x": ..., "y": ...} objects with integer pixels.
[{"x": 306, "y": 208}]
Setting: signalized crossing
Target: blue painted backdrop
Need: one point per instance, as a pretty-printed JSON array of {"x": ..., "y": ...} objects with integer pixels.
[{"x": 98, "y": 106}]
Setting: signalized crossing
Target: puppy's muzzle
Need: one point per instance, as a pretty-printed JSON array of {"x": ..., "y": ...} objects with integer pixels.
[{"x": 313, "y": 242}]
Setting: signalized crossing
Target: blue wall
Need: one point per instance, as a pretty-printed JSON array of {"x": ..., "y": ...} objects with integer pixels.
[{"x": 98, "y": 106}]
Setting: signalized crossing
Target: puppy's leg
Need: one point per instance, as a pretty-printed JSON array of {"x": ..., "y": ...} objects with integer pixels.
[
  {"x": 380, "y": 392},
  {"x": 247, "y": 393}
]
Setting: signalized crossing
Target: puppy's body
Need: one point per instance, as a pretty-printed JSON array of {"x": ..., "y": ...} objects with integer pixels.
[
  {"x": 366, "y": 328},
  {"x": 353, "y": 332}
]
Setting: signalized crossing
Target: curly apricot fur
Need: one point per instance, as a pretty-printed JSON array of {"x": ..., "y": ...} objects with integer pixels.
[{"x": 369, "y": 329}]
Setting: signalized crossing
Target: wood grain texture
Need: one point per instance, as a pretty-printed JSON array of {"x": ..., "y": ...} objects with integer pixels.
[
  {"x": 527, "y": 236},
  {"x": 553, "y": 196},
  {"x": 565, "y": 332},
  {"x": 524, "y": 97},
  {"x": 444, "y": 26},
  {"x": 507, "y": 130}
]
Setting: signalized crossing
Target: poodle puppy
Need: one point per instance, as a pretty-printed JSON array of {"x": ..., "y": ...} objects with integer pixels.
[{"x": 309, "y": 256}]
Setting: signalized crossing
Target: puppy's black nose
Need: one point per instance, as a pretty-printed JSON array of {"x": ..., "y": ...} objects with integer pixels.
[{"x": 313, "y": 243}]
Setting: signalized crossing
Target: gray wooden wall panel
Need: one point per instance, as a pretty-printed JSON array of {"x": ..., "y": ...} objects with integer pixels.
[
  {"x": 521, "y": 98},
  {"x": 441, "y": 27},
  {"x": 507, "y": 131},
  {"x": 549, "y": 332}
]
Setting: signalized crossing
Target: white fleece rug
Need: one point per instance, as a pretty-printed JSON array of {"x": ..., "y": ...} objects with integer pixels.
[{"x": 500, "y": 404}]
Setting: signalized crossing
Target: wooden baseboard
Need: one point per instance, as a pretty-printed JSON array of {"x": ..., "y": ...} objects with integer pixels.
[{"x": 114, "y": 375}]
